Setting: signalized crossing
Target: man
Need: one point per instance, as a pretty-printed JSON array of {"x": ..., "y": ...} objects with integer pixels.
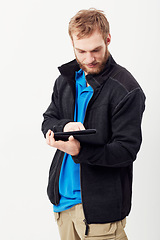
[{"x": 90, "y": 182}]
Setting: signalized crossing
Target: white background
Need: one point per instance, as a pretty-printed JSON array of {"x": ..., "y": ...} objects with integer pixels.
[{"x": 33, "y": 42}]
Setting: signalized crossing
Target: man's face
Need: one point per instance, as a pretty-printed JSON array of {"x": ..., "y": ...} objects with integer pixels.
[{"x": 91, "y": 52}]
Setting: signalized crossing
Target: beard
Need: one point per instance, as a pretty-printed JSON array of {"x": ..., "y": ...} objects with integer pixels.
[{"x": 99, "y": 65}]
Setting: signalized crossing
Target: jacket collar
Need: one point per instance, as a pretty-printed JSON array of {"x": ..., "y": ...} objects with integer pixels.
[{"x": 95, "y": 80}]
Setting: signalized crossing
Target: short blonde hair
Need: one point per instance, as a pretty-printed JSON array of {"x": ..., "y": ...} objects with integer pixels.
[{"x": 85, "y": 22}]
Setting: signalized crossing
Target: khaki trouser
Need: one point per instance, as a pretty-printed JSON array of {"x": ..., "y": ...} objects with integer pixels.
[{"x": 72, "y": 227}]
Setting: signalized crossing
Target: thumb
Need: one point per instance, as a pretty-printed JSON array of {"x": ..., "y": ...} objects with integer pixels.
[{"x": 71, "y": 138}]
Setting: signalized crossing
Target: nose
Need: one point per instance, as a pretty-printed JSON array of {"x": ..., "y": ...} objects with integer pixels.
[{"x": 90, "y": 57}]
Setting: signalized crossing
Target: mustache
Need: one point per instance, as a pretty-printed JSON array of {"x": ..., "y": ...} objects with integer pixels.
[{"x": 92, "y": 63}]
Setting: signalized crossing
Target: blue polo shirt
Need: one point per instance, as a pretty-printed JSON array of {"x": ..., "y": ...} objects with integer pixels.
[{"x": 69, "y": 180}]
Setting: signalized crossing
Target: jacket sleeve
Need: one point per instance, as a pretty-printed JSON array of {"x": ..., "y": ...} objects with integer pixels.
[
  {"x": 52, "y": 116},
  {"x": 126, "y": 138}
]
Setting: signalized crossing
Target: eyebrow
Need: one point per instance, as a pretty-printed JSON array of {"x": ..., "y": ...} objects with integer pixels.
[{"x": 97, "y": 48}]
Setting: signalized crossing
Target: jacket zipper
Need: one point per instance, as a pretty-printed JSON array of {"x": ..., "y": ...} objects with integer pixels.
[{"x": 87, "y": 227}]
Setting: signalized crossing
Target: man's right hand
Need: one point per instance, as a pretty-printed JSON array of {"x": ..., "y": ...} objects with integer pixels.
[{"x": 73, "y": 126}]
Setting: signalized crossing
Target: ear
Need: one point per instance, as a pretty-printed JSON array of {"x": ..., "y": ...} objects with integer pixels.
[{"x": 108, "y": 39}]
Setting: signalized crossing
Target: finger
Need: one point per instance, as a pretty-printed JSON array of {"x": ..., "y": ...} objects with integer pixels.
[
  {"x": 52, "y": 134},
  {"x": 51, "y": 139},
  {"x": 81, "y": 126},
  {"x": 48, "y": 137},
  {"x": 48, "y": 133}
]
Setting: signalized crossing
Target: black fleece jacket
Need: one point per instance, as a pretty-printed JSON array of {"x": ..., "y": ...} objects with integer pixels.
[{"x": 115, "y": 111}]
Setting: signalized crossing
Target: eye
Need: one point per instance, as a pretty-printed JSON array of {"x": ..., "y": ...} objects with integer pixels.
[
  {"x": 81, "y": 51},
  {"x": 96, "y": 50}
]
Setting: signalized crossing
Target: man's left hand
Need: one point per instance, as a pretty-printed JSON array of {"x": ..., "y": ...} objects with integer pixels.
[{"x": 72, "y": 146}]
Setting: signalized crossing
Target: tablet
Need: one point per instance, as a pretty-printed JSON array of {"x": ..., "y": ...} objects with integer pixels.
[{"x": 79, "y": 135}]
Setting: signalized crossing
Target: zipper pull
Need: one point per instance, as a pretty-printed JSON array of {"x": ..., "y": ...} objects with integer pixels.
[{"x": 87, "y": 227}]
